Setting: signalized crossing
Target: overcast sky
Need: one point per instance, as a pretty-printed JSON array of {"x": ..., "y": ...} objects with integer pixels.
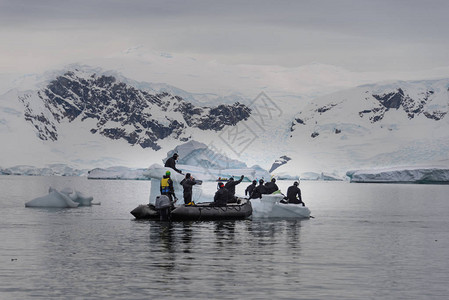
[{"x": 391, "y": 39}]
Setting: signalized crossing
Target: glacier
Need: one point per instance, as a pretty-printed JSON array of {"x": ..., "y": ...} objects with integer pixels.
[
  {"x": 118, "y": 172},
  {"x": 48, "y": 170},
  {"x": 200, "y": 173},
  {"x": 203, "y": 162},
  {"x": 429, "y": 174}
]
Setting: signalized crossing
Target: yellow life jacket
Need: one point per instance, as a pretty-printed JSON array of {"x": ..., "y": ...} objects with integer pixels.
[{"x": 165, "y": 186}]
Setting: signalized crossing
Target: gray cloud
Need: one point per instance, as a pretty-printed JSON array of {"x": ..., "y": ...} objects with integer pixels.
[{"x": 361, "y": 35}]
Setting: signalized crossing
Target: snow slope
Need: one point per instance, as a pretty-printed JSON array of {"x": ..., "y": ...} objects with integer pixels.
[
  {"x": 370, "y": 126},
  {"x": 383, "y": 125}
]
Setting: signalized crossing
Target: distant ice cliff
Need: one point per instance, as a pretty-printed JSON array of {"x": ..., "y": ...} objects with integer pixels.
[{"x": 429, "y": 174}]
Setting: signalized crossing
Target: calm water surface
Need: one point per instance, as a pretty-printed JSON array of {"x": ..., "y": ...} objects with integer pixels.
[{"x": 367, "y": 241}]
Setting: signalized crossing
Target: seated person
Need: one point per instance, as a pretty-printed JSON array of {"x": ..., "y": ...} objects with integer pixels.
[
  {"x": 271, "y": 186},
  {"x": 221, "y": 196},
  {"x": 292, "y": 192},
  {"x": 249, "y": 189},
  {"x": 259, "y": 190}
]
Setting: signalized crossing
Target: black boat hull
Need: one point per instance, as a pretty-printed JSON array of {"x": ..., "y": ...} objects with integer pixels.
[
  {"x": 198, "y": 212},
  {"x": 206, "y": 212},
  {"x": 147, "y": 211}
]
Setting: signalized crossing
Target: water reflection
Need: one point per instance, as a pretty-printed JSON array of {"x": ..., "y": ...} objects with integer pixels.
[
  {"x": 162, "y": 245},
  {"x": 161, "y": 233},
  {"x": 293, "y": 232},
  {"x": 187, "y": 236},
  {"x": 224, "y": 232}
]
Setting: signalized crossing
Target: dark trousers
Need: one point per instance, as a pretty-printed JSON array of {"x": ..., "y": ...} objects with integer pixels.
[
  {"x": 187, "y": 198},
  {"x": 232, "y": 199}
]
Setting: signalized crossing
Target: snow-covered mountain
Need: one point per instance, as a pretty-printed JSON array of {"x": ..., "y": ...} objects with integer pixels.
[
  {"x": 89, "y": 118},
  {"x": 394, "y": 124},
  {"x": 80, "y": 116},
  {"x": 120, "y": 111}
]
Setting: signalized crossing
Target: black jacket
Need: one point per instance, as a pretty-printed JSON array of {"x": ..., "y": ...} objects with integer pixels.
[
  {"x": 171, "y": 163},
  {"x": 271, "y": 187},
  {"x": 230, "y": 186},
  {"x": 221, "y": 197},
  {"x": 292, "y": 191},
  {"x": 259, "y": 191},
  {"x": 187, "y": 184},
  {"x": 249, "y": 189}
]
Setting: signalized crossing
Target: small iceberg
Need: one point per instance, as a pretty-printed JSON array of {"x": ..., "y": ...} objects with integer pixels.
[
  {"x": 270, "y": 206},
  {"x": 66, "y": 198}
]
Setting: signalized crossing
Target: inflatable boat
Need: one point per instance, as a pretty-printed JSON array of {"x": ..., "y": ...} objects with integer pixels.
[
  {"x": 146, "y": 211},
  {"x": 205, "y": 211}
]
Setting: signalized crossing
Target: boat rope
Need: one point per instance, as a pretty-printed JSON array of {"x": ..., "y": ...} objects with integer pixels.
[
  {"x": 237, "y": 208},
  {"x": 222, "y": 208}
]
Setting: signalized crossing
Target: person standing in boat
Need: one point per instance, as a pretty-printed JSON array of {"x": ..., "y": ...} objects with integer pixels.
[
  {"x": 187, "y": 183},
  {"x": 221, "y": 196},
  {"x": 167, "y": 187},
  {"x": 249, "y": 189},
  {"x": 294, "y": 194},
  {"x": 271, "y": 186},
  {"x": 259, "y": 190},
  {"x": 230, "y": 186},
  {"x": 171, "y": 163}
]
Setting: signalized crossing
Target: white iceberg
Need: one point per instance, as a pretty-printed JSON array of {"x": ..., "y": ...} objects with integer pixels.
[
  {"x": 209, "y": 164},
  {"x": 118, "y": 173},
  {"x": 269, "y": 206},
  {"x": 210, "y": 174},
  {"x": 61, "y": 199},
  {"x": 78, "y": 197},
  {"x": 430, "y": 174},
  {"x": 53, "y": 199},
  {"x": 198, "y": 154}
]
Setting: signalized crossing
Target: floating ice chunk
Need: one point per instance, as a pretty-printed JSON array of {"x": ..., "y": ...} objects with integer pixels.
[
  {"x": 53, "y": 199},
  {"x": 67, "y": 197},
  {"x": 67, "y": 191},
  {"x": 82, "y": 199},
  {"x": 269, "y": 206}
]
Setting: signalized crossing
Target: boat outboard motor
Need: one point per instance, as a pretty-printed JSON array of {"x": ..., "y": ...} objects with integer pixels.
[{"x": 163, "y": 206}]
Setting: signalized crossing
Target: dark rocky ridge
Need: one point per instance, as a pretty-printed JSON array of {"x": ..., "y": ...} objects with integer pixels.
[
  {"x": 279, "y": 162},
  {"x": 121, "y": 111},
  {"x": 396, "y": 100}
]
